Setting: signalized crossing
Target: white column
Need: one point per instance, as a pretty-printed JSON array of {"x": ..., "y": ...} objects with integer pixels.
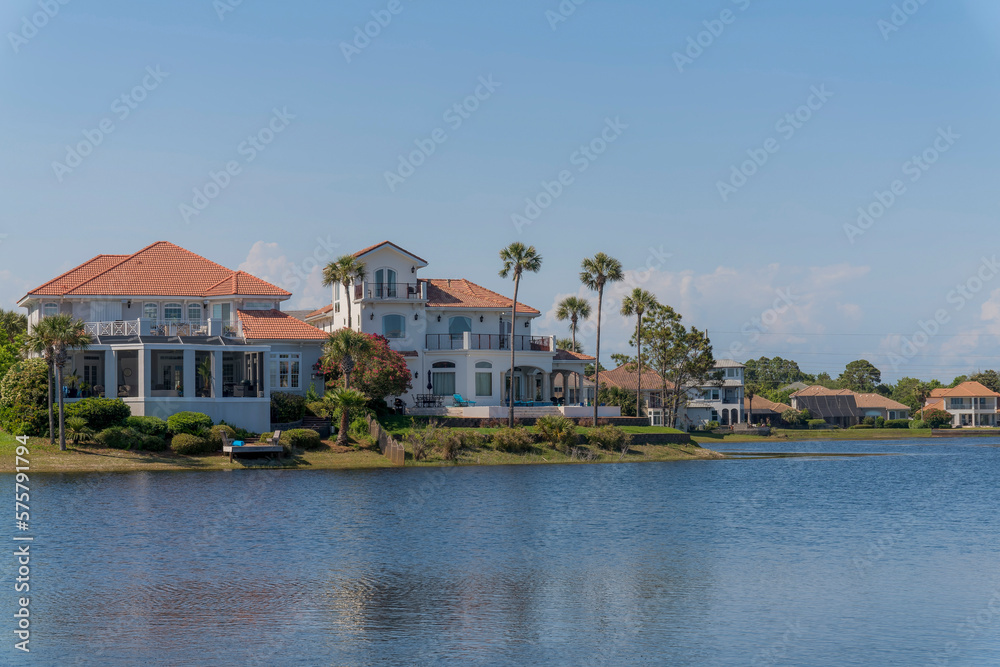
[
  {"x": 266, "y": 358},
  {"x": 189, "y": 373},
  {"x": 216, "y": 373},
  {"x": 110, "y": 374},
  {"x": 145, "y": 384}
]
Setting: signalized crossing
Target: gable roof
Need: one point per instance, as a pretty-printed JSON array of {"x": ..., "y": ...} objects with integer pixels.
[
  {"x": 759, "y": 404},
  {"x": 319, "y": 311},
  {"x": 878, "y": 401},
  {"x": 461, "y": 293},
  {"x": 276, "y": 325},
  {"x": 159, "y": 269},
  {"x": 568, "y": 355},
  {"x": 626, "y": 379},
  {"x": 372, "y": 248},
  {"x": 967, "y": 389}
]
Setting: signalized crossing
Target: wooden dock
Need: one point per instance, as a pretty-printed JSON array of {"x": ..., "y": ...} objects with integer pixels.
[{"x": 252, "y": 449}]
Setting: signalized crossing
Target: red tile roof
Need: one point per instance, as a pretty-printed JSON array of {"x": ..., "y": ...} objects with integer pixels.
[
  {"x": 370, "y": 248},
  {"x": 626, "y": 379},
  {"x": 567, "y": 355},
  {"x": 461, "y": 293},
  {"x": 159, "y": 269},
  {"x": 320, "y": 311},
  {"x": 276, "y": 325},
  {"x": 878, "y": 401},
  {"x": 965, "y": 390},
  {"x": 761, "y": 404}
]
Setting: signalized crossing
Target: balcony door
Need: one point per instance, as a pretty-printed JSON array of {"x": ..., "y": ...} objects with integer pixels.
[
  {"x": 105, "y": 311},
  {"x": 385, "y": 284},
  {"x": 222, "y": 311}
]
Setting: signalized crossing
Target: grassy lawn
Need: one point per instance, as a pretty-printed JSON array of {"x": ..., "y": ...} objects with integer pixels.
[{"x": 44, "y": 457}]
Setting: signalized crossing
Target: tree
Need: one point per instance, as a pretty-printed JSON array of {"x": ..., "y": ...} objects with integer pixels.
[
  {"x": 342, "y": 347},
  {"x": 40, "y": 342},
  {"x": 957, "y": 381},
  {"x": 637, "y": 303},
  {"x": 767, "y": 374},
  {"x": 793, "y": 417},
  {"x": 596, "y": 272},
  {"x": 346, "y": 400},
  {"x": 66, "y": 335},
  {"x": 860, "y": 376},
  {"x": 12, "y": 325},
  {"x": 989, "y": 379},
  {"x": 22, "y": 397},
  {"x": 345, "y": 270},
  {"x": 569, "y": 344},
  {"x": 381, "y": 372},
  {"x": 622, "y": 359},
  {"x": 517, "y": 258},
  {"x": 936, "y": 418},
  {"x": 623, "y": 398},
  {"x": 574, "y": 309}
]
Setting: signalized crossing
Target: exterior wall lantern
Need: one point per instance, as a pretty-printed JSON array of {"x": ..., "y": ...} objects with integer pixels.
[
  {"x": 480, "y": 318},
  {"x": 371, "y": 316},
  {"x": 439, "y": 318},
  {"x": 416, "y": 316}
]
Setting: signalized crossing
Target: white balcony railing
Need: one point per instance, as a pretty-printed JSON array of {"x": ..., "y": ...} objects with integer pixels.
[
  {"x": 117, "y": 328},
  {"x": 151, "y": 327}
]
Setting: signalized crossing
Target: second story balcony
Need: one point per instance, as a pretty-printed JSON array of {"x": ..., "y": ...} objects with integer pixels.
[
  {"x": 150, "y": 327},
  {"x": 377, "y": 291},
  {"x": 472, "y": 341}
]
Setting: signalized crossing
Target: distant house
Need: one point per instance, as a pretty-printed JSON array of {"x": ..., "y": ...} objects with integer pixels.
[
  {"x": 759, "y": 410},
  {"x": 843, "y": 407},
  {"x": 970, "y": 404},
  {"x": 794, "y": 387}
]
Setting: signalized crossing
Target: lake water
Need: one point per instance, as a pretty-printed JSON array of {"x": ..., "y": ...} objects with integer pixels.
[{"x": 874, "y": 560}]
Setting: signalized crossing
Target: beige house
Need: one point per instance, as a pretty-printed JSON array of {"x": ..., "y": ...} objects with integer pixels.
[{"x": 970, "y": 404}]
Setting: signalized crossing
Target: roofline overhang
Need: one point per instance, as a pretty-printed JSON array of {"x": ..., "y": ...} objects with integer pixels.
[{"x": 421, "y": 263}]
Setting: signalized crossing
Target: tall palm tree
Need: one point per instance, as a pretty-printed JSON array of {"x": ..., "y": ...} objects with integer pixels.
[
  {"x": 39, "y": 342},
  {"x": 345, "y": 270},
  {"x": 637, "y": 303},
  {"x": 347, "y": 400},
  {"x": 596, "y": 272},
  {"x": 66, "y": 335},
  {"x": 12, "y": 324},
  {"x": 344, "y": 346},
  {"x": 574, "y": 309},
  {"x": 516, "y": 260}
]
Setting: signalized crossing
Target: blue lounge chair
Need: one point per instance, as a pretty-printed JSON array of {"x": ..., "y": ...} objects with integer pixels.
[{"x": 461, "y": 402}]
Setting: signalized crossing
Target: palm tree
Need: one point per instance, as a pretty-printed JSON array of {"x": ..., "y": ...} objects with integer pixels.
[
  {"x": 343, "y": 347},
  {"x": 39, "y": 342},
  {"x": 516, "y": 260},
  {"x": 344, "y": 270},
  {"x": 637, "y": 303},
  {"x": 346, "y": 400},
  {"x": 574, "y": 309},
  {"x": 598, "y": 271},
  {"x": 12, "y": 324},
  {"x": 66, "y": 334}
]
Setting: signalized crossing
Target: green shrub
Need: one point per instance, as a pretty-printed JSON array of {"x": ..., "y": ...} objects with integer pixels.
[
  {"x": 192, "y": 445},
  {"x": 897, "y": 423},
  {"x": 301, "y": 438},
  {"x": 319, "y": 409},
  {"x": 918, "y": 423},
  {"x": 286, "y": 407},
  {"x": 868, "y": 421},
  {"x": 148, "y": 425},
  {"x": 152, "y": 443},
  {"x": 472, "y": 439},
  {"x": 359, "y": 428},
  {"x": 215, "y": 434},
  {"x": 25, "y": 384},
  {"x": 23, "y": 419},
  {"x": 77, "y": 430},
  {"x": 118, "y": 437},
  {"x": 937, "y": 418},
  {"x": 857, "y": 426},
  {"x": 418, "y": 444},
  {"x": 557, "y": 431},
  {"x": 100, "y": 413},
  {"x": 609, "y": 437},
  {"x": 816, "y": 423},
  {"x": 190, "y": 423},
  {"x": 880, "y": 422},
  {"x": 447, "y": 442},
  {"x": 515, "y": 440}
]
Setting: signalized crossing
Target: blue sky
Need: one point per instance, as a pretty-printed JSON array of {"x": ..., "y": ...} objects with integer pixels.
[{"x": 651, "y": 198}]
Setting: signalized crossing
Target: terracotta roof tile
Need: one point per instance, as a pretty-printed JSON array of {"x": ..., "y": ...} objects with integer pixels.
[
  {"x": 370, "y": 248},
  {"x": 461, "y": 293},
  {"x": 567, "y": 355},
  {"x": 965, "y": 390},
  {"x": 159, "y": 269},
  {"x": 761, "y": 404},
  {"x": 621, "y": 377},
  {"x": 321, "y": 311},
  {"x": 878, "y": 401},
  {"x": 276, "y": 325}
]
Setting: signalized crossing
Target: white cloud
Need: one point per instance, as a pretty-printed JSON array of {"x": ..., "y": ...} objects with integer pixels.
[{"x": 303, "y": 279}]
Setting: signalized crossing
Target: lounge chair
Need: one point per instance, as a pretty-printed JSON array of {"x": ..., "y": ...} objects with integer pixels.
[{"x": 461, "y": 402}]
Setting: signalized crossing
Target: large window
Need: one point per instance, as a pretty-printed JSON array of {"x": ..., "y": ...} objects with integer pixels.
[
  {"x": 285, "y": 370},
  {"x": 258, "y": 305},
  {"x": 50, "y": 309},
  {"x": 443, "y": 381},
  {"x": 172, "y": 312},
  {"x": 484, "y": 378},
  {"x": 457, "y": 326},
  {"x": 151, "y": 311},
  {"x": 393, "y": 326},
  {"x": 194, "y": 313},
  {"x": 385, "y": 283}
]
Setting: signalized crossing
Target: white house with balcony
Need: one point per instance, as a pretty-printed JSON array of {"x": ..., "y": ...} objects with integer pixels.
[
  {"x": 173, "y": 331},
  {"x": 970, "y": 404},
  {"x": 455, "y": 335}
]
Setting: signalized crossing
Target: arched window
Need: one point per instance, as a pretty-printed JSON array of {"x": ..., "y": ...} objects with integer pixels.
[
  {"x": 458, "y": 326},
  {"x": 173, "y": 312},
  {"x": 50, "y": 309},
  {"x": 442, "y": 381},
  {"x": 151, "y": 311},
  {"x": 484, "y": 378},
  {"x": 194, "y": 313},
  {"x": 393, "y": 326}
]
